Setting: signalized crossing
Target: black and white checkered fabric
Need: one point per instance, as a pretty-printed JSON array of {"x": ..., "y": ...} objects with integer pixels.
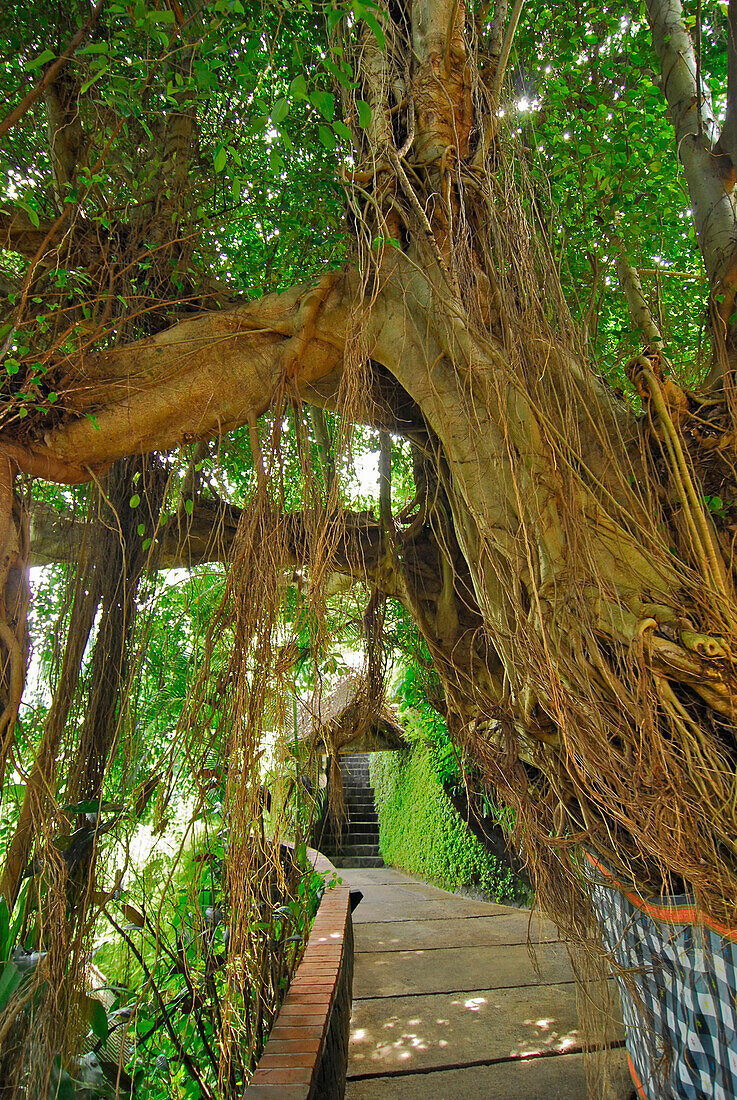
[{"x": 680, "y": 998}]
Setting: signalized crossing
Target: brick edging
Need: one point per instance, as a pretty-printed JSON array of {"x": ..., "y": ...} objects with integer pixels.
[{"x": 307, "y": 1047}]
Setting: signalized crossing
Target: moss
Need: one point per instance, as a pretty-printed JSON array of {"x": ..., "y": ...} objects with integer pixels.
[{"x": 421, "y": 832}]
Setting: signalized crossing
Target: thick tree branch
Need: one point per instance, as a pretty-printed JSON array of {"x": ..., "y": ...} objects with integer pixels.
[
  {"x": 66, "y": 134},
  {"x": 727, "y": 144},
  {"x": 197, "y": 380},
  {"x": 51, "y": 73},
  {"x": 640, "y": 311},
  {"x": 690, "y": 108},
  {"x": 496, "y": 30},
  {"x": 359, "y": 553},
  {"x": 440, "y": 84},
  {"x": 207, "y": 535},
  {"x": 84, "y": 242},
  {"x": 506, "y": 50}
]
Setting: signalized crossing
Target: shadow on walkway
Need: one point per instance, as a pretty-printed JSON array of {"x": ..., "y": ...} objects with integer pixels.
[{"x": 448, "y": 1004}]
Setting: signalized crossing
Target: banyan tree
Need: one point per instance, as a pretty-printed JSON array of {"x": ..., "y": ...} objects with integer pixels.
[{"x": 500, "y": 237}]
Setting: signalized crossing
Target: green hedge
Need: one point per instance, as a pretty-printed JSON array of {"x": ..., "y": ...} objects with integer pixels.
[{"x": 421, "y": 832}]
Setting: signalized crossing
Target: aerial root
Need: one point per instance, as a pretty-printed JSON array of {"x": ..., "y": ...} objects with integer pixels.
[
  {"x": 645, "y": 374},
  {"x": 307, "y": 314},
  {"x": 12, "y": 610}
]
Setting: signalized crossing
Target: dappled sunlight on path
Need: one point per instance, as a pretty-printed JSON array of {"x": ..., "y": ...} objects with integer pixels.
[{"x": 449, "y": 1003}]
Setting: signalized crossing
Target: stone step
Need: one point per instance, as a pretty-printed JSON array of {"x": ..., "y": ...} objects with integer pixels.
[
  {"x": 358, "y": 773},
  {"x": 340, "y": 844},
  {"x": 349, "y": 824},
  {"x": 346, "y": 850},
  {"x": 355, "y": 813},
  {"x": 355, "y": 809},
  {"x": 354, "y": 828},
  {"x": 358, "y": 849},
  {"x": 354, "y": 842},
  {"x": 357, "y": 861}
]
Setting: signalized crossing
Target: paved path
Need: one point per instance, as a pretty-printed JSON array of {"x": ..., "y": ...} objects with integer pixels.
[{"x": 448, "y": 1004}]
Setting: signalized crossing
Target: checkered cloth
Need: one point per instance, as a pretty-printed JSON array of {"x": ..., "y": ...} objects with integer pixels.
[{"x": 680, "y": 999}]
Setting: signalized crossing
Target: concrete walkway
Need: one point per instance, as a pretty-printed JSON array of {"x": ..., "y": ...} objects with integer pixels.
[{"x": 448, "y": 1004}]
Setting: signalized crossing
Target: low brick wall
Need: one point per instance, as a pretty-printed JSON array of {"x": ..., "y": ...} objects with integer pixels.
[{"x": 306, "y": 1054}]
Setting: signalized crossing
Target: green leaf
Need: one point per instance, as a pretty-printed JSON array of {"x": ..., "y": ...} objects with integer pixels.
[
  {"x": 334, "y": 17},
  {"x": 93, "y": 79},
  {"x": 47, "y": 55},
  {"x": 32, "y": 214},
  {"x": 279, "y": 111},
  {"x": 344, "y": 76},
  {"x": 364, "y": 113},
  {"x": 52, "y": 397},
  {"x": 343, "y": 131},
  {"x": 135, "y": 500},
  {"x": 93, "y": 47},
  {"x": 10, "y": 979},
  {"x": 298, "y": 87},
  {"x": 220, "y": 159},
  {"x": 141, "y": 529},
  {"x": 373, "y": 22},
  {"x": 325, "y": 104},
  {"x": 146, "y": 544},
  {"x": 98, "y": 1019},
  {"x": 5, "y": 945},
  {"x": 189, "y": 507},
  {"x": 61, "y": 1086},
  {"x": 327, "y": 137},
  {"x": 20, "y": 916}
]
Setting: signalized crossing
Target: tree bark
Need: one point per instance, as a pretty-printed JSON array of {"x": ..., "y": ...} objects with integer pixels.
[
  {"x": 574, "y": 592},
  {"x": 714, "y": 213},
  {"x": 197, "y": 380}
]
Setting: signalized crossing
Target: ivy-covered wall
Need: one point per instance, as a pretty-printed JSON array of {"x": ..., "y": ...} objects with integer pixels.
[{"x": 421, "y": 832}]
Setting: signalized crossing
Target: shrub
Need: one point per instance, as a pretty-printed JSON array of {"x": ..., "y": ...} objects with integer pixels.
[{"x": 421, "y": 832}]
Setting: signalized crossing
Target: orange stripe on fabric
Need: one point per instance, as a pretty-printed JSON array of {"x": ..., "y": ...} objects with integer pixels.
[
  {"x": 639, "y": 1087},
  {"x": 686, "y": 914}
]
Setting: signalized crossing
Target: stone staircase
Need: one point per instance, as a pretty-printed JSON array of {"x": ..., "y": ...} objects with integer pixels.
[{"x": 356, "y": 843}]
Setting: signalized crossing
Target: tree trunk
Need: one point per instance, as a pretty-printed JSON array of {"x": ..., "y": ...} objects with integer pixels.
[
  {"x": 562, "y": 565},
  {"x": 560, "y": 509}
]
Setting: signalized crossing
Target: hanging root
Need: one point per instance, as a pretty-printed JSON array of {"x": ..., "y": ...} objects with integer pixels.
[{"x": 13, "y": 605}]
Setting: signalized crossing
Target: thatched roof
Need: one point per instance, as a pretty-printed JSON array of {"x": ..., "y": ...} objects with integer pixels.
[{"x": 348, "y": 719}]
